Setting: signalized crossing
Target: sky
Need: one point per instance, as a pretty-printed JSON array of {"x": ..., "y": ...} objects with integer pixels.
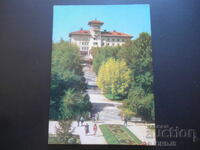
[{"x": 131, "y": 19}]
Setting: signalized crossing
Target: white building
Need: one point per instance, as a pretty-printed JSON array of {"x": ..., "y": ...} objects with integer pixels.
[{"x": 94, "y": 37}]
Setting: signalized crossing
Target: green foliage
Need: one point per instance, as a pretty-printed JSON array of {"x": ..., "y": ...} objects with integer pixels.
[
  {"x": 66, "y": 75},
  {"x": 65, "y": 57},
  {"x": 74, "y": 104},
  {"x": 63, "y": 136},
  {"x": 141, "y": 104},
  {"x": 109, "y": 136},
  {"x": 142, "y": 65},
  {"x": 127, "y": 113},
  {"x": 137, "y": 55},
  {"x": 101, "y": 55},
  {"x": 113, "y": 97},
  {"x": 114, "y": 77},
  {"x": 132, "y": 135},
  {"x": 118, "y": 134}
]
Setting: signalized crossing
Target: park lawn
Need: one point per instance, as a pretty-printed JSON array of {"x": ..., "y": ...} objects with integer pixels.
[
  {"x": 112, "y": 97},
  {"x": 119, "y": 134},
  {"x": 53, "y": 139}
]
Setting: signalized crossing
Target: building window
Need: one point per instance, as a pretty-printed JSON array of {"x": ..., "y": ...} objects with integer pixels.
[
  {"x": 122, "y": 40},
  {"x": 84, "y": 48},
  {"x": 108, "y": 44},
  {"x": 83, "y": 53},
  {"x": 113, "y": 40},
  {"x": 118, "y": 40},
  {"x": 95, "y": 43},
  {"x": 108, "y": 39},
  {"x": 113, "y": 44}
]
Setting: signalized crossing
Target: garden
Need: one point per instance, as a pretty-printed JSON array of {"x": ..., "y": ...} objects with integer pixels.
[{"x": 119, "y": 134}]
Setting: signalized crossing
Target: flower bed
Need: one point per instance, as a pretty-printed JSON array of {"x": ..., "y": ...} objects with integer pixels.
[
  {"x": 53, "y": 139},
  {"x": 118, "y": 134}
]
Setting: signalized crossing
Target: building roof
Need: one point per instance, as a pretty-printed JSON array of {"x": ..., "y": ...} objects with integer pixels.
[
  {"x": 103, "y": 33},
  {"x": 80, "y": 32},
  {"x": 95, "y": 22},
  {"x": 115, "y": 33}
]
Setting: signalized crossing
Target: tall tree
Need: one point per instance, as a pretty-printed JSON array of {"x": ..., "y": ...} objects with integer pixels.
[
  {"x": 114, "y": 77},
  {"x": 102, "y": 54}
]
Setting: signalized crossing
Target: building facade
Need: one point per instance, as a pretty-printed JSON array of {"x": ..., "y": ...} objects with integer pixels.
[{"x": 94, "y": 37}]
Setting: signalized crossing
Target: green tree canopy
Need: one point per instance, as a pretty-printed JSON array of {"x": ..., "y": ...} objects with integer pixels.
[
  {"x": 74, "y": 104},
  {"x": 102, "y": 54},
  {"x": 65, "y": 57},
  {"x": 114, "y": 77},
  {"x": 66, "y": 75}
]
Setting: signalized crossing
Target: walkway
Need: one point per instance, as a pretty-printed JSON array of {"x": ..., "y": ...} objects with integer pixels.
[
  {"x": 108, "y": 114},
  {"x": 108, "y": 110}
]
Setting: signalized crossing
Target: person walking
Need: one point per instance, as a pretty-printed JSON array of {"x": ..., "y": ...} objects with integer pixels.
[
  {"x": 95, "y": 128},
  {"x": 86, "y": 129},
  {"x": 78, "y": 121},
  {"x": 82, "y": 120},
  {"x": 93, "y": 118},
  {"x": 125, "y": 121},
  {"x": 97, "y": 116}
]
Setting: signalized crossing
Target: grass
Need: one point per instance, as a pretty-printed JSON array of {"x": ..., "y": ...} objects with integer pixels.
[
  {"x": 118, "y": 134},
  {"x": 132, "y": 135},
  {"x": 53, "y": 139},
  {"x": 113, "y": 97},
  {"x": 110, "y": 138}
]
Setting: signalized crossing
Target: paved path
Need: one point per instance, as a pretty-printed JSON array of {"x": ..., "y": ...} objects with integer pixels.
[
  {"x": 108, "y": 110},
  {"x": 108, "y": 114},
  {"x": 139, "y": 129},
  {"x": 90, "y": 138}
]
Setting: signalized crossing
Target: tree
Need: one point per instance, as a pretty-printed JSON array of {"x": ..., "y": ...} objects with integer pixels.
[
  {"x": 65, "y": 56},
  {"x": 141, "y": 104},
  {"x": 74, "y": 104},
  {"x": 64, "y": 136},
  {"x": 66, "y": 74},
  {"x": 62, "y": 131},
  {"x": 138, "y": 56},
  {"x": 102, "y": 54},
  {"x": 114, "y": 77},
  {"x": 142, "y": 64}
]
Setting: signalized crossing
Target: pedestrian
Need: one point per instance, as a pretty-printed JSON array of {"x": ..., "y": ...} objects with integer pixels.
[
  {"x": 78, "y": 121},
  {"x": 97, "y": 116},
  {"x": 93, "y": 118},
  {"x": 95, "y": 128},
  {"x": 82, "y": 120},
  {"x": 125, "y": 121},
  {"x": 86, "y": 129}
]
